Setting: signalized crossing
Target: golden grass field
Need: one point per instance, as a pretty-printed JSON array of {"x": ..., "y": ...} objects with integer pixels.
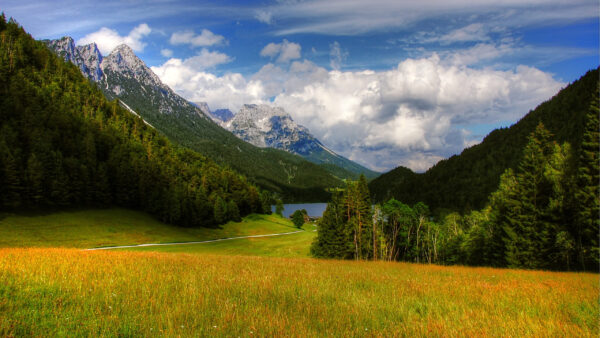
[
  {"x": 70, "y": 292},
  {"x": 231, "y": 289}
]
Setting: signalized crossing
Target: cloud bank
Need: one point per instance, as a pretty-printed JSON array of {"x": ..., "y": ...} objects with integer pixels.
[
  {"x": 351, "y": 17},
  {"x": 412, "y": 115}
]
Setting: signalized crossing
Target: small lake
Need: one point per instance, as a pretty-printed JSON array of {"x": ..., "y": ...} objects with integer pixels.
[{"x": 313, "y": 209}]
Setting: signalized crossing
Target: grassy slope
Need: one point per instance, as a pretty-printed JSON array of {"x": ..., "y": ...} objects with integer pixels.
[
  {"x": 50, "y": 292},
  {"x": 293, "y": 245},
  {"x": 95, "y": 228}
]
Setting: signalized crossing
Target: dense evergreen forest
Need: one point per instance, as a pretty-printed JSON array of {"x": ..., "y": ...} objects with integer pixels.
[
  {"x": 463, "y": 182},
  {"x": 544, "y": 215},
  {"x": 63, "y": 144}
]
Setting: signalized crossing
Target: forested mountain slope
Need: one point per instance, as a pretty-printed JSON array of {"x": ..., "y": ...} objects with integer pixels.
[
  {"x": 126, "y": 77},
  {"x": 464, "y": 182},
  {"x": 63, "y": 144}
]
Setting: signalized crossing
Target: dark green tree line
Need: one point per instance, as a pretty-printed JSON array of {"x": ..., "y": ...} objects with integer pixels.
[{"x": 544, "y": 215}]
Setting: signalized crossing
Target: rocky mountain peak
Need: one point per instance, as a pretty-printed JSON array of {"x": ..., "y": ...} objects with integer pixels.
[
  {"x": 123, "y": 58},
  {"x": 88, "y": 58},
  {"x": 92, "y": 59},
  {"x": 268, "y": 126},
  {"x": 66, "y": 48},
  {"x": 123, "y": 61}
]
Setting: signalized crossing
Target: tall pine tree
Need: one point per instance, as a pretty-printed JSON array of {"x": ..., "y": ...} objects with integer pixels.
[{"x": 587, "y": 222}]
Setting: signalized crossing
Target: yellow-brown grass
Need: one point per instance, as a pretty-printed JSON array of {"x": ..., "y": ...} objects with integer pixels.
[{"x": 70, "y": 292}]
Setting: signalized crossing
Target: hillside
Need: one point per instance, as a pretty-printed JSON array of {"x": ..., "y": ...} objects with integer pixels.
[
  {"x": 127, "y": 78},
  {"x": 464, "y": 182},
  {"x": 62, "y": 144}
]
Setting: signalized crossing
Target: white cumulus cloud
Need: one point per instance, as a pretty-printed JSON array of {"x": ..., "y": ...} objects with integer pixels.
[
  {"x": 190, "y": 79},
  {"x": 204, "y": 39},
  {"x": 420, "y": 107},
  {"x": 284, "y": 51},
  {"x": 107, "y": 39}
]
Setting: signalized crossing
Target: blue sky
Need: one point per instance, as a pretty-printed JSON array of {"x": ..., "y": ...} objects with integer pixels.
[{"x": 383, "y": 82}]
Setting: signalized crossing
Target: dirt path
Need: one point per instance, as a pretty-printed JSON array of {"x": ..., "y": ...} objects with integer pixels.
[{"x": 199, "y": 242}]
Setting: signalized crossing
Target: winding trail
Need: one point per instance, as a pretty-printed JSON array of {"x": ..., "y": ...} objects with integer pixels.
[{"x": 198, "y": 242}]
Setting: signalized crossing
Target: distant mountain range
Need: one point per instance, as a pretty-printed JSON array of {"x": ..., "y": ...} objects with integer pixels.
[
  {"x": 122, "y": 75},
  {"x": 271, "y": 127},
  {"x": 464, "y": 182}
]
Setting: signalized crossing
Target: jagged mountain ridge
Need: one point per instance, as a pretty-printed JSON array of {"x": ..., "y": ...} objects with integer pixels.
[
  {"x": 88, "y": 58},
  {"x": 126, "y": 77},
  {"x": 267, "y": 126}
]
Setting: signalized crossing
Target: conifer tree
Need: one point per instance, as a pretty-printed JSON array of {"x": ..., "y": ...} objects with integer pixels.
[
  {"x": 333, "y": 240},
  {"x": 560, "y": 211},
  {"x": 279, "y": 207},
  {"x": 266, "y": 200},
  {"x": 587, "y": 220},
  {"x": 220, "y": 211},
  {"x": 233, "y": 211},
  {"x": 522, "y": 206},
  {"x": 10, "y": 186},
  {"x": 34, "y": 179},
  {"x": 298, "y": 218}
]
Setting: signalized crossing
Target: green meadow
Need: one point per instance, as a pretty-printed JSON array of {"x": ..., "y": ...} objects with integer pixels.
[
  {"x": 289, "y": 245},
  {"x": 111, "y": 227},
  {"x": 50, "y": 287}
]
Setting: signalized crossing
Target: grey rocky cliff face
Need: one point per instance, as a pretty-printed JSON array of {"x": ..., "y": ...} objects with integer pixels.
[
  {"x": 88, "y": 58},
  {"x": 266, "y": 126},
  {"x": 122, "y": 60},
  {"x": 204, "y": 107}
]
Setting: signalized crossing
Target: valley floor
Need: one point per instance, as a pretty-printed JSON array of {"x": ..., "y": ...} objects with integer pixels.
[
  {"x": 111, "y": 227},
  {"x": 227, "y": 289},
  {"x": 49, "y": 292}
]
